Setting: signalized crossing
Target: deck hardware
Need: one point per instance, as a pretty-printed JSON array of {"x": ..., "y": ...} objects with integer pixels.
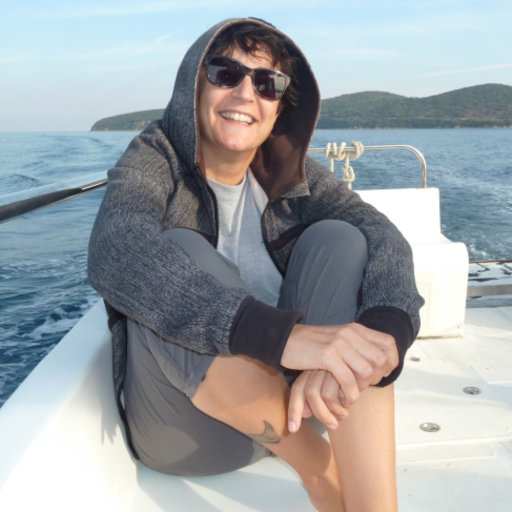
[
  {"x": 430, "y": 427},
  {"x": 472, "y": 390},
  {"x": 353, "y": 150},
  {"x": 24, "y": 201}
]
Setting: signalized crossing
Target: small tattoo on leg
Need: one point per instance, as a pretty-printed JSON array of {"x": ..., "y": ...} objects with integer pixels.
[{"x": 268, "y": 436}]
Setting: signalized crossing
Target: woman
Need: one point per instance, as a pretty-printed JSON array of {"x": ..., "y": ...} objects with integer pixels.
[{"x": 247, "y": 288}]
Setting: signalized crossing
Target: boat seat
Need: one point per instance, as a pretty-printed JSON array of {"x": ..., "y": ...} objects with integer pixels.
[
  {"x": 63, "y": 447},
  {"x": 441, "y": 266}
]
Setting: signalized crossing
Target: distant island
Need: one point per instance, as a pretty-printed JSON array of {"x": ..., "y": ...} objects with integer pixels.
[{"x": 480, "y": 106}]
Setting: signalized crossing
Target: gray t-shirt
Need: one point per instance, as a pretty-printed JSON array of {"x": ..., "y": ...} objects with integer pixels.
[{"x": 241, "y": 239}]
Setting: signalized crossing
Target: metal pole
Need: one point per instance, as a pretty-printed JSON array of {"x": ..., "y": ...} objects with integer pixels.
[
  {"x": 17, "y": 203},
  {"x": 25, "y": 201}
]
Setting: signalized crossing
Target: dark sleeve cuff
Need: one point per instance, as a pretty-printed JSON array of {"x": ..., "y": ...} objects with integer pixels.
[
  {"x": 261, "y": 331},
  {"x": 395, "y": 322}
]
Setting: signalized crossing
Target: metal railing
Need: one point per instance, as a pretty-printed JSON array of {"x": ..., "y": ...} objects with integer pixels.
[
  {"x": 17, "y": 203},
  {"x": 416, "y": 152}
]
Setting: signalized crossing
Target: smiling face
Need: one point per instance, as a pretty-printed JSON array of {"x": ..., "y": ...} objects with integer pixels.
[{"x": 233, "y": 123}]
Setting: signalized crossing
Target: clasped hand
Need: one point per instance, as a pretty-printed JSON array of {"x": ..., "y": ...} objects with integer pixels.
[{"x": 339, "y": 362}]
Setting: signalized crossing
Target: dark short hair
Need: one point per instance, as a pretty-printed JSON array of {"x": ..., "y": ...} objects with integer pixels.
[{"x": 253, "y": 37}]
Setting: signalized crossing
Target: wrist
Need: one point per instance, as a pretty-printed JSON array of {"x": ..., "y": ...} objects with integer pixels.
[
  {"x": 261, "y": 331},
  {"x": 396, "y": 323}
]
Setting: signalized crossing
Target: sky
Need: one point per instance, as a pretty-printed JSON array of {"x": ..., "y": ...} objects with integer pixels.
[{"x": 64, "y": 64}]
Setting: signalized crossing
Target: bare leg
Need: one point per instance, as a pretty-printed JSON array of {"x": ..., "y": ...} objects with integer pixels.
[
  {"x": 364, "y": 448},
  {"x": 363, "y": 445},
  {"x": 253, "y": 398}
]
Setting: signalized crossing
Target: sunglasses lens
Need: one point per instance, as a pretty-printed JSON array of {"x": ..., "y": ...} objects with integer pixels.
[
  {"x": 224, "y": 72},
  {"x": 269, "y": 84},
  {"x": 227, "y": 72}
]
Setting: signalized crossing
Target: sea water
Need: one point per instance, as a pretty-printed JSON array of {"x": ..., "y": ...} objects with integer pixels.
[{"x": 43, "y": 254}]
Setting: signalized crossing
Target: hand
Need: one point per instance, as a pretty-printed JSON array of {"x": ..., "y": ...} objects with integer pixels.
[
  {"x": 316, "y": 392},
  {"x": 355, "y": 355}
]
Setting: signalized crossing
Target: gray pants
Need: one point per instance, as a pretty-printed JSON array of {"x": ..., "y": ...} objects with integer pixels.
[{"x": 169, "y": 433}]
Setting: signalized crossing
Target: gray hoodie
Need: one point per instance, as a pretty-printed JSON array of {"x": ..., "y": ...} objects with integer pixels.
[{"x": 157, "y": 185}]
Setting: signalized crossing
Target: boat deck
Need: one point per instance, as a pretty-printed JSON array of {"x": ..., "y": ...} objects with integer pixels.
[
  {"x": 62, "y": 447},
  {"x": 464, "y": 387},
  {"x": 60, "y": 434},
  {"x": 466, "y": 465}
]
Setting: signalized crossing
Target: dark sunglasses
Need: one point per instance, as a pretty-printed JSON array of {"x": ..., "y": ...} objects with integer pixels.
[{"x": 223, "y": 71}]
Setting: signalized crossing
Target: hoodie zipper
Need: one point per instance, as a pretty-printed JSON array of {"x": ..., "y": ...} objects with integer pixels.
[
  {"x": 265, "y": 239},
  {"x": 215, "y": 214},
  {"x": 211, "y": 194}
]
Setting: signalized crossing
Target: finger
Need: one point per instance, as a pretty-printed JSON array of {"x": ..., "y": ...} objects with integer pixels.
[
  {"x": 346, "y": 380},
  {"x": 315, "y": 400},
  {"x": 382, "y": 365},
  {"x": 371, "y": 352},
  {"x": 344, "y": 358},
  {"x": 333, "y": 397},
  {"x": 307, "y": 412},
  {"x": 297, "y": 402},
  {"x": 341, "y": 364},
  {"x": 385, "y": 342},
  {"x": 364, "y": 354},
  {"x": 362, "y": 369}
]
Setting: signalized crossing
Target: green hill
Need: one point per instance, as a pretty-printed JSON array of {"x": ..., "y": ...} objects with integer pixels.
[
  {"x": 134, "y": 121},
  {"x": 488, "y": 105}
]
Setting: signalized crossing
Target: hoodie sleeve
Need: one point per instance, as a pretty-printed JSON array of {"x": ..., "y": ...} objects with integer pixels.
[
  {"x": 389, "y": 300},
  {"x": 149, "y": 278}
]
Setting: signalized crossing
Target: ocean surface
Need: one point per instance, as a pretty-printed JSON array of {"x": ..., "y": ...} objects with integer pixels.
[{"x": 43, "y": 284}]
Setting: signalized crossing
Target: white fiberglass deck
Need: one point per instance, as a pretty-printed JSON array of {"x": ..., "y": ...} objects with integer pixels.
[
  {"x": 467, "y": 464},
  {"x": 62, "y": 448}
]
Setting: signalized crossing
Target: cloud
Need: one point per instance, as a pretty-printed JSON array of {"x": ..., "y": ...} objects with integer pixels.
[
  {"x": 335, "y": 54},
  {"x": 163, "y": 45},
  {"x": 132, "y": 9},
  {"x": 468, "y": 70},
  {"x": 16, "y": 58},
  {"x": 367, "y": 53}
]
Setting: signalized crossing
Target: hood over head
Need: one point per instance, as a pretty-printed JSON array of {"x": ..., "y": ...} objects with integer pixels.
[{"x": 279, "y": 162}]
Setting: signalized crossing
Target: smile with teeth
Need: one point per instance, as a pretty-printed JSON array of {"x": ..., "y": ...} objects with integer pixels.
[{"x": 238, "y": 117}]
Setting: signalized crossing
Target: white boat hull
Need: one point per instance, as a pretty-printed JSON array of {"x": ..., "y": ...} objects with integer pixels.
[{"x": 63, "y": 448}]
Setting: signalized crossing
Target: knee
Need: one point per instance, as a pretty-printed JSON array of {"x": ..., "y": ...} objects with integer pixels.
[{"x": 341, "y": 239}]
